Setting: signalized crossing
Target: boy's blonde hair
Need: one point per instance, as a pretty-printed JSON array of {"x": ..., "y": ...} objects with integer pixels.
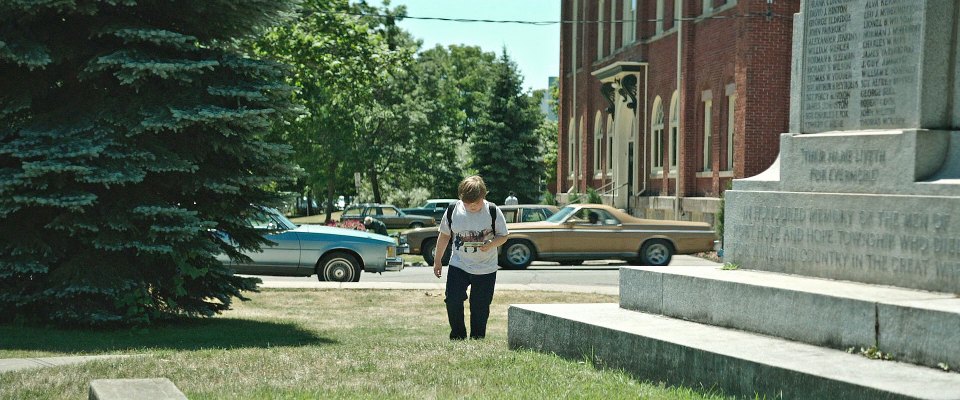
[{"x": 472, "y": 189}]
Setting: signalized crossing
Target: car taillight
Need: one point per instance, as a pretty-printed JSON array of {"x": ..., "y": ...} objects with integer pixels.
[{"x": 391, "y": 251}]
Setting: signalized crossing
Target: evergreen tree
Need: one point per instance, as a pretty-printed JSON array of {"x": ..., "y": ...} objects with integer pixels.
[
  {"x": 506, "y": 147},
  {"x": 130, "y": 134}
]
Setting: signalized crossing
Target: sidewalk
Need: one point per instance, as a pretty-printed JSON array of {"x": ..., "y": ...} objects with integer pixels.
[
  {"x": 16, "y": 364},
  {"x": 611, "y": 290}
]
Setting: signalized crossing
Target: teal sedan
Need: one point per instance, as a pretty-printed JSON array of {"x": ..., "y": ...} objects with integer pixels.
[{"x": 333, "y": 254}]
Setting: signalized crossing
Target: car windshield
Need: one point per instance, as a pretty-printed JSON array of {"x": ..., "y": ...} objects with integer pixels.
[
  {"x": 271, "y": 219},
  {"x": 561, "y": 215}
]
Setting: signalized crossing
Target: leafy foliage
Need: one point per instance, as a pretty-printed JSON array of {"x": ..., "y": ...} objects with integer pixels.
[
  {"x": 506, "y": 146},
  {"x": 130, "y": 131}
]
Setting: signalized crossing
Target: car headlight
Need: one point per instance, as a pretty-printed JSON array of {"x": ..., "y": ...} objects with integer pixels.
[{"x": 391, "y": 251}]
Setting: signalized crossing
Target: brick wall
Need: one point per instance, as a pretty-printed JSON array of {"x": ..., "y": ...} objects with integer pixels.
[{"x": 747, "y": 49}]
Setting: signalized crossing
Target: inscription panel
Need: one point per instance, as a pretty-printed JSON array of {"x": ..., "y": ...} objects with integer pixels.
[
  {"x": 903, "y": 241},
  {"x": 860, "y": 64}
]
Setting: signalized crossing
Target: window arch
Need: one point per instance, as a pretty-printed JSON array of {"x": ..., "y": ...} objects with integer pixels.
[
  {"x": 597, "y": 142},
  {"x": 674, "y": 130},
  {"x": 656, "y": 145},
  {"x": 571, "y": 138},
  {"x": 609, "y": 152}
]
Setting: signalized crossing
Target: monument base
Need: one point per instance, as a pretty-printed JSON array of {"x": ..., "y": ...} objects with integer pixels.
[{"x": 876, "y": 207}]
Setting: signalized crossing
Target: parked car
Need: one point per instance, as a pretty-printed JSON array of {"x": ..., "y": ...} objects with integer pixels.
[
  {"x": 388, "y": 214},
  {"x": 333, "y": 254},
  {"x": 423, "y": 241},
  {"x": 433, "y": 208},
  {"x": 569, "y": 237}
]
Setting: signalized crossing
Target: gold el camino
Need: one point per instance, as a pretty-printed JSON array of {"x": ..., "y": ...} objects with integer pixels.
[{"x": 581, "y": 232}]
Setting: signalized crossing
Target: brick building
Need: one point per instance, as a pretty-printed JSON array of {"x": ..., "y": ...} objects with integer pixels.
[{"x": 629, "y": 133}]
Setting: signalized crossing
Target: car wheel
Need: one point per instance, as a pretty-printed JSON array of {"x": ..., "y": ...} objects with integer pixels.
[
  {"x": 416, "y": 225},
  {"x": 428, "y": 249},
  {"x": 657, "y": 252},
  {"x": 517, "y": 254},
  {"x": 571, "y": 262},
  {"x": 338, "y": 267}
]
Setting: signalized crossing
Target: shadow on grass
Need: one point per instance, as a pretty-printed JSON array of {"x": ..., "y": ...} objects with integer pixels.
[{"x": 184, "y": 334}]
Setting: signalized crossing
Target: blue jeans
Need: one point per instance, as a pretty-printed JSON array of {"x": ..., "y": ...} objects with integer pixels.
[{"x": 481, "y": 295}]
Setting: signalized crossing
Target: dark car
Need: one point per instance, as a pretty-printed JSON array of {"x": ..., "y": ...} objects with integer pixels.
[
  {"x": 391, "y": 216},
  {"x": 432, "y": 207},
  {"x": 424, "y": 240}
]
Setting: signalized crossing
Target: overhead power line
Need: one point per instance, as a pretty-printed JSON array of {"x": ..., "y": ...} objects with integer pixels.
[{"x": 543, "y": 23}]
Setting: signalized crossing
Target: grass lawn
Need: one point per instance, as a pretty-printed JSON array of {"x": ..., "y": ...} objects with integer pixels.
[{"x": 308, "y": 344}]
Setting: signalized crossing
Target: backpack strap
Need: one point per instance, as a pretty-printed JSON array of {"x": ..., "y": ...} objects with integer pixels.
[
  {"x": 450, "y": 217},
  {"x": 493, "y": 217}
]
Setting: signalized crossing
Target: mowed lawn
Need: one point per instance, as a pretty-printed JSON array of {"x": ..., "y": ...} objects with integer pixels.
[{"x": 310, "y": 344}]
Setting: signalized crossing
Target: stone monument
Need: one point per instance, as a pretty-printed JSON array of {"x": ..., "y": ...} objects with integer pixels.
[
  {"x": 867, "y": 185},
  {"x": 849, "y": 243}
]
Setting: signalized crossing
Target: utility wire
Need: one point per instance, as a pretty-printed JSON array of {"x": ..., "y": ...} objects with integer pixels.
[{"x": 544, "y": 23}]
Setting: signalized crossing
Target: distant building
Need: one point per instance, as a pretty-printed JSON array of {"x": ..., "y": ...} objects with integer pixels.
[
  {"x": 545, "y": 102},
  {"x": 625, "y": 128}
]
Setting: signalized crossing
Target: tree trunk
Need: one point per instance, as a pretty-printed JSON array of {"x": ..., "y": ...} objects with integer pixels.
[
  {"x": 375, "y": 184},
  {"x": 331, "y": 188}
]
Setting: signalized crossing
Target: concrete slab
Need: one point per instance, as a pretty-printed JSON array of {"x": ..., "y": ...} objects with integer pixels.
[
  {"x": 658, "y": 348},
  {"x": 143, "y": 389},
  {"x": 836, "y": 314}
]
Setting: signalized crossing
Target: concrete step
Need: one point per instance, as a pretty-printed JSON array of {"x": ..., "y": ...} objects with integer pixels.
[
  {"x": 659, "y": 348},
  {"x": 915, "y": 326}
]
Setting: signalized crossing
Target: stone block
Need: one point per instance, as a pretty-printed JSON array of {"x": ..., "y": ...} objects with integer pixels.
[
  {"x": 141, "y": 389},
  {"x": 662, "y": 349},
  {"x": 926, "y": 335}
]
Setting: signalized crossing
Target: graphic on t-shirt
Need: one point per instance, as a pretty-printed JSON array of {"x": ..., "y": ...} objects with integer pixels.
[{"x": 470, "y": 240}]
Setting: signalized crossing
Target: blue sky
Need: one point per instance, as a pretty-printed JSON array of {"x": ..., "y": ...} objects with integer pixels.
[{"x": 535, "y": 48}]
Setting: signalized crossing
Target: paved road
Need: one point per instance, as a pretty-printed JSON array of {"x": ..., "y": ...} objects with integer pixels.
[{"x": 593, "y": 274}]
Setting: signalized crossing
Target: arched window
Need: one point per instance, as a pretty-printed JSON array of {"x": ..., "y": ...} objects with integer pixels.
[
  {"x": 571, "y": 138},
  {"x": 610, "y": 133},
  {"x": 707, "y": 131},
  {"x": 597, "y": 143},
  {"x": 731, "y": 114},
  {"x": 656, "y": 145},
  {"x": 674, "y": 131},
  {"x": 601, "y": 27}
]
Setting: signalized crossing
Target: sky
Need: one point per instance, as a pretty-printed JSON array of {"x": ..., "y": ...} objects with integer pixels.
[{"x": 535, "y": 48}]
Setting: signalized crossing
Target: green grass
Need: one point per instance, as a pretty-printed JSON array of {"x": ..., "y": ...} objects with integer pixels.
[{"x": 306, "y": 344}]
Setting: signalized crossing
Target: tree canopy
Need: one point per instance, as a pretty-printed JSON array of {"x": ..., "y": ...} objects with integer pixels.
[{"x": 506, "y": 146}]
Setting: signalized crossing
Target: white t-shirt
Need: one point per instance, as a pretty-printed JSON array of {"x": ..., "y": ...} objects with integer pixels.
[{"x": 470, "y": 230}]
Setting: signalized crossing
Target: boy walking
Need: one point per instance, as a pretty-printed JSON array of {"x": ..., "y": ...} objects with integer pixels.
[{"x": 477, "y": 228}]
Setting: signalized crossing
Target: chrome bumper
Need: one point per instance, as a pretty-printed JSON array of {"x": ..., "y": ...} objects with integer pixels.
[{"x": 394, "y": 264}]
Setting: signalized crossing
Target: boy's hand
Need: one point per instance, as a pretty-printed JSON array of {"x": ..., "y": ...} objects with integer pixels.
[{"x": 437, "y": 270}]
